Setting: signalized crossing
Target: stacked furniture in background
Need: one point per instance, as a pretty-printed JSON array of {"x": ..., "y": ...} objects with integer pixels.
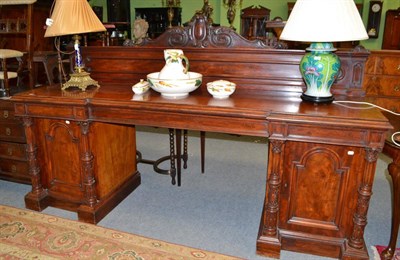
[
  {"x": 16, "y": 33},
  {"x": 16, "y": 24},
  {"x": 382, "y": 86},
  {"x": 5, "y": 74}
]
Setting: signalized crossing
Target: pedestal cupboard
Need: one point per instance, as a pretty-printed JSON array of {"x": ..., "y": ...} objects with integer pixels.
[{"x": 87, "y": 167}]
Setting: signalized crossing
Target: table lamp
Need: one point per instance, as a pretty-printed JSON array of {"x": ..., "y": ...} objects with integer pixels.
[
  {"x": 322, "y": 22},
  {"x": 74, "y": 17}
]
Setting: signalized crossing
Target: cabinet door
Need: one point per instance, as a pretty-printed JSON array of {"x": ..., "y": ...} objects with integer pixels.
[
  {"x": 319, "y": 187},
  {"x": 391, "y": 37},
  {"x": 61, "y": 164}
]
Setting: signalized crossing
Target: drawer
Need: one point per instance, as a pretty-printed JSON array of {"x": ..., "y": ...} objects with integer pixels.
[
  {"x": 390, "y": 66},
  {"x": 392, "y": 104},
  {"x": 14, "y": 170},
  {"x": 12, "y": 132},
  {"x": 14, "y": 166},
  {"x": 13, "y": 150},
  {"x": 382, "y": 85},
  {"x": 6, "y": 111}
]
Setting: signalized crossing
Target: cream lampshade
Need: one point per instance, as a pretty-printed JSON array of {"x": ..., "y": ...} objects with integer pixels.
[
  {"x": 322, "y": 22},
  {"x": 74, "y": 17}
]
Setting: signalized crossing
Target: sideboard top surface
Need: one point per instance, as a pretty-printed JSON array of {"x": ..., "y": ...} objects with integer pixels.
[{"x": 240, "y": 104}]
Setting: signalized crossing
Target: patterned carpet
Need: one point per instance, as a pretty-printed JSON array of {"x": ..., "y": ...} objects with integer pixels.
[
  {"x": 378, "y": 250},
  {"x": 27, "y": 234}
]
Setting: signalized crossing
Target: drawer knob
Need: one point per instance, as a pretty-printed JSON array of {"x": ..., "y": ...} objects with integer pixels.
[
  {"x": 397, "y": 88},
  {"x": 5, "y": 114},
  {"x": 14, "y": 168},
  {"x": 10, "y": 151},
  {"x": 398, "y": 67},
  {"x": 8, "y": 131}
]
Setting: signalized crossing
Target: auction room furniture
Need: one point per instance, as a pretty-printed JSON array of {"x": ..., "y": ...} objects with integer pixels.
[
  {"x": 157, "y": 17},
  {"x": 5, "y": 74},
  {"x": 391, "y": 35},
  {"x": 49, "y": 61},
  {"x": 82, "y": 153},
  {"x": 252, "y": 22},
  {"x": 17, "y": 32},
  {"x": 393, "y": 151},
  {"x": 175, "y": 158},
  {"x": 16, "y": 22},
  {"x": 382, "y": 84},
  {"x": 118, "y": 13},
  {"x": 382, "y": 78},
  {"x": 13, "y": 160}
]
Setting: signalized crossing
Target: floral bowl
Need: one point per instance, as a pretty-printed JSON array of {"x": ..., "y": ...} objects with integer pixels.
[
  {"x": 221, "y": 88},
  {"x": 141, "y": 87},
  {"x": 175, "y": 88}
]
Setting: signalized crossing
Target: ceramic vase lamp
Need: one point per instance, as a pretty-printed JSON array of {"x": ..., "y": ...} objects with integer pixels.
[{"x": 322, "y": 22}]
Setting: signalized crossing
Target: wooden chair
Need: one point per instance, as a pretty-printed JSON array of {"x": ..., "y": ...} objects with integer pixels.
[
  {"x": 6, "y": 75},
  {"x": 176, "y": 156},
  {"x": 17, "y": 23},
  {"x": 184, "y": 156}
]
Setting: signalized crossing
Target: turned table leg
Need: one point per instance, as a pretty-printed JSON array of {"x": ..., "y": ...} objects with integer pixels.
[{"x": 394, "y": 171}]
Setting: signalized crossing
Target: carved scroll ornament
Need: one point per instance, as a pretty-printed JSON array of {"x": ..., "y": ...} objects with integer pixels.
[{"x": 200, "y": 33}]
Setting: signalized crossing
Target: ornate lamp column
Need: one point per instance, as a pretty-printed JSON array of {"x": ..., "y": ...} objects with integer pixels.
[
  {"x": 170, "y": 5},
  {"x": 231, "y": 13}
]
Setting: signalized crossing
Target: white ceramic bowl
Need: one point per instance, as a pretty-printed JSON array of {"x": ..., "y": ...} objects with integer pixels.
[
  {"x": 221, "y": 89},
  {"x": 141, "y": 87},
  {"x": 175, "y": 88}
]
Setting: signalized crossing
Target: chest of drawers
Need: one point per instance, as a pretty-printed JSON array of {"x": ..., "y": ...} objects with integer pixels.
[
  {"x": 382, "y": 78},
  {"x": 13, "y": 159}
]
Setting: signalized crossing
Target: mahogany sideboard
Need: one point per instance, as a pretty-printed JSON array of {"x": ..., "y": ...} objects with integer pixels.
[{"x": 81, "y": 145}]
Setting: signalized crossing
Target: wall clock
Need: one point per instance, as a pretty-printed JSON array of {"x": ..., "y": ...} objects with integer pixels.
[{"x": 374, "y": 18}]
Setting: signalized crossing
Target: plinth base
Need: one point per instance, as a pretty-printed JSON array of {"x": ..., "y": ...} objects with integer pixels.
[
  {"x": 318, "y": 100},
  {"x": 81, "y": 80}
]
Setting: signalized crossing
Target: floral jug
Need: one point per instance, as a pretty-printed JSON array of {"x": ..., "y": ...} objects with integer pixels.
[{"x": 174, "y": 68}]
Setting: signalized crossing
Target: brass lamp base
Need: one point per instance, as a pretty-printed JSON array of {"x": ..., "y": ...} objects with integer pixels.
[{"x": 80, "y": 79}]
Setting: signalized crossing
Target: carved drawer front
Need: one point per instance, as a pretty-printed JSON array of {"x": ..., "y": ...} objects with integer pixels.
[
  {"x": 392, "y": 104},
  {"x": 370, "y": 65},
  {"x": 391, "y": 66},
  {"x": 12, "y": 150},
  {"x": 382, "y": 85},
  {"x": 372, "y": 85},
  {"x": 12, "y": 131},
  {"x": 392, "y": 86},
  {"x": 6, "y": 111},
  {"x": 14, "y": 167}
]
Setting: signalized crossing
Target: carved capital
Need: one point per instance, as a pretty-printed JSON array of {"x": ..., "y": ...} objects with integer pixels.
[
  {"x": 372, "y": 154},
  {"x": 277, "y": 145}
]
